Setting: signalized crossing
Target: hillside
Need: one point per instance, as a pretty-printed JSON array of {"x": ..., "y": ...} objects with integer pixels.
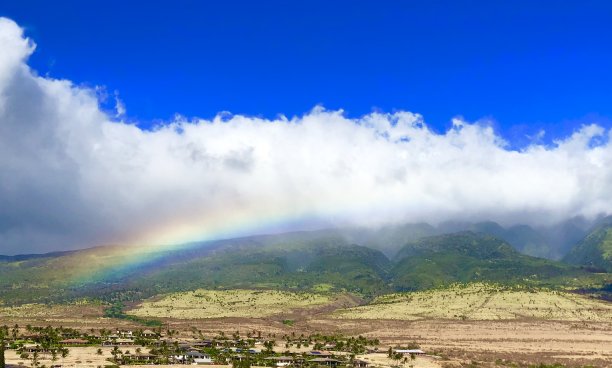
[
  {"x": 594, "y": 251},
  {"x": 551, "y": 242},
  {"x": 467, "y": 256},
  {"x": 301, "y": 260},
  {"x": 319, "y": 263},
  {"x": 325, "y": 260},
  {"x": 481, "y": 301}
]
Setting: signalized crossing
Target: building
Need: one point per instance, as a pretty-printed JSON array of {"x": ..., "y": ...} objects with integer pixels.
[
  {"x": 30, "y": 348},
  {"x": 140, "y": 357},
  {"x": 358, "y": 363},
  {"x": 198, "y": 357},
  {"x": 328, "y": 362},
  {"x": 74, "y": 342},
  {"x": 321, "y": 353},
  {"x": 282, "y": 361},
  {"x": 409, "y": 351},
  {"x": 149, "y": 334},
  {"x": 118, "y": 342}
]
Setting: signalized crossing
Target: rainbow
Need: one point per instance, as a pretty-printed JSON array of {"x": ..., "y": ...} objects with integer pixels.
[{"x": 100, "y": 263}]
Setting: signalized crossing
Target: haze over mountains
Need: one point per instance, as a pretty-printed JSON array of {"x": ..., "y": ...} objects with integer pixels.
[{"x": 365, "y": 261}]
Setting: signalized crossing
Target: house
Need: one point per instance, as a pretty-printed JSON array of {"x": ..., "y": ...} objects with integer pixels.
[
  {"x": 149, "y": 334},
  {"x": 202, "y": 344},
  {"x": 74, "y": 342},
  {"x": 171, "y": 342},
  {"x": 141, "y": 357},
  {"x": 32, "y": 337},
  {"x": 198, "y": 357},
  {"x": 328, "y": 362},
  {"x": 409, "y": 351},
  {"x": 321, "y": 353},
  {"x": 282, "y": 361},
  {"x": 127, "y": 334},
  {"x": 30, "y": 348},
  {"x": 193, "y": 356},
  {"x": 239, "y": 357},
  {"x": 358, "y": 363},
  {"x": 118, "y": 342}
]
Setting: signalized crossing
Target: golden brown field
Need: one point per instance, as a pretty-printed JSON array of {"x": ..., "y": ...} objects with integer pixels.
[
  {"x": 479, "y": 323},
  {"x": 482, "y": 302},
  {"x": 228, "y": 303}
]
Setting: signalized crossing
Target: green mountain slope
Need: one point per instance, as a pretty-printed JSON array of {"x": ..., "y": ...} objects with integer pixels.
[
  {"x": 301, "y": 260},
  {"x": 469, "y": 256},
  {"x": 316, "y": 260},
  {"x": 551, "y": 242},
  {"x": 324, "y": 262},
  {"x": 594, "y": 251}
]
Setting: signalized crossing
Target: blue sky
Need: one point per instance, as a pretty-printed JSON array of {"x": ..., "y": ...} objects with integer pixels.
[
  {"x": 528, "y": 65},
  {"x": 74, "y": 173}
]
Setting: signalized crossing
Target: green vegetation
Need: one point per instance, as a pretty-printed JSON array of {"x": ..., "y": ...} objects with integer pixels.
[
  {"x": 116, "y": 311},
  {"x": 48, "y": 343},
  {"x": 467, "y": 257},
  {"x": 3, "y": 333},
  {"x": 595, "y": 251},
  {"x": 298, "y": 265},
  {"x": 321, "y": 261}
]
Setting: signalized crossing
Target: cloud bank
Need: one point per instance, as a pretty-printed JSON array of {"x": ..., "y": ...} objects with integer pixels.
[{"x": 72, "y": 175}]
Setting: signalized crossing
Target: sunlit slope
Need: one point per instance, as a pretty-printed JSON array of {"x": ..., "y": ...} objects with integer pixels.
[
  {"x": 328, "y": 261},
  {"x": 595, "y": 251},
  {"x": 479, "y": 301},
  {"x": 306, "y": 261},
  {"x": 228, "y": 303},
  {"x": 467, "y": 256}
]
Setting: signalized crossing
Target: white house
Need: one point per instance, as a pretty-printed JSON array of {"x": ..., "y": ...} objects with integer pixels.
[{"x": 409, "y": 351}]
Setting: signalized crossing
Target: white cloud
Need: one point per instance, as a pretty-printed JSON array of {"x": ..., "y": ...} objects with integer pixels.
[
  {"x": 72, "y": 177},
  {"x": 119, "y": 106}
]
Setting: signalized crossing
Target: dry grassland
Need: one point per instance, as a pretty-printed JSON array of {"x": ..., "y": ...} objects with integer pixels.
[
  {"x": 480, "y": 322},
  {"x": 80, "y": 316},
  {"x": 51, "y": 312},
  {"x": 201, "y": 304},
  {"x": 85, "y": 357},
  {"x": 482, "y": 302}
]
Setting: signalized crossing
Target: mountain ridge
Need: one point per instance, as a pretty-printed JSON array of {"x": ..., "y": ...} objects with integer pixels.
[{"x": 298, "y": 261}]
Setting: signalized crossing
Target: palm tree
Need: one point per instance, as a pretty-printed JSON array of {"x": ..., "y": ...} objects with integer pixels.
[
  {"x": 54, "y": 355},
  {"x": 397, "y": 357},
  {"x": 35, "y": 362},
  {"x": 2, "y": 362},
  {"x": 64, "y": 353},
  {"x": 115, "y": 352},
  {"x": 15, "y": 331}
]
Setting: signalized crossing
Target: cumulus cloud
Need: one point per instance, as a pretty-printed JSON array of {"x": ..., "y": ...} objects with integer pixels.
[{"x": 73, "y": 176}]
